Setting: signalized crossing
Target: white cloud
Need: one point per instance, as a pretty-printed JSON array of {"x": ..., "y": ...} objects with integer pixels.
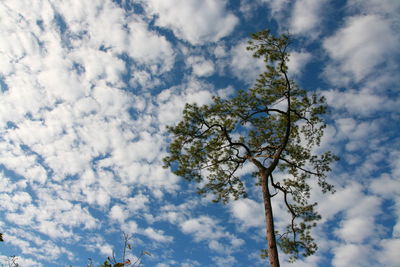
[
  {"x": 21, "y": 198},
  {"x": 298, "y": 61},
  {"x": 131, "y": 227},
  {"x": 352, "y": 255},
  {"x": 243, "y": 65},
  {"x": 356, "y": 213},
  {"x": 310, "y": 261},
  {"x": 197, "y": 21},
  {"x": 71, "y": 151},
  {"x": 357, "y": 133},
  {"x": 220, "y": 51},
  {"x": 205, "y": 228},
  {"x": 52, "y": 216},
  {"x": 143, "y": 79},
  {"x": 118, "y": 213},
  {"x": 386, "y": 186},
  {"x": 388, "y": 9},
  {"x": 200, "y": 66},
  {"x": 149, "y": 47},
  {"x": 157, "y": 235},
  {"x": 202, "y": 228},
  {"x": 342, "y": 200},
  {"x": 138, "y": 203},
  {"x": 33, "y": 245},
  {"x": 98, "y": 65},
  {"x": 356, "y": 49},
  {"x": 307, "y": 16},
  {"x": 190, "y": 263},
  {"x": 8, "y": 186},
  {"x": 248, "y": 212},
  {"x": 104, "y": 24},
  {"x": 276, "y": 6},
  {"x": 100, "y": 21},
  {"x": 14, "y": 158},
  {"x": 97, "y": 242},
  {"x": 171, "y": 102},
  {"x": 225, "y": 261},
  {"x": 389, "y": 256},
  {"x": 356, "y": 229},
  {"x": 21, "y": 261},
  {"x": 362, "y": 102}
]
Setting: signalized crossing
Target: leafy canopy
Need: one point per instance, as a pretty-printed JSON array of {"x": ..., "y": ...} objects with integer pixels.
[{"x": 275, "y": 125}]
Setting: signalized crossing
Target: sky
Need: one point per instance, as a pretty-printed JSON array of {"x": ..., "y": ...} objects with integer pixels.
[{"x": 87, "y": 89}]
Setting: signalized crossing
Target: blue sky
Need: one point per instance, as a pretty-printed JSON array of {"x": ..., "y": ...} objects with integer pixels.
[{"x": 88, "y": 88}]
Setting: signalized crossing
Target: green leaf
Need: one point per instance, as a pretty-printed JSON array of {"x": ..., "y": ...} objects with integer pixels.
[{"x": 274, "y": 125}]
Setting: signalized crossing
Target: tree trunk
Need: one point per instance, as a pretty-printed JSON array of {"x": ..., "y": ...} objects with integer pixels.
[{"x": 269, "y": 221}]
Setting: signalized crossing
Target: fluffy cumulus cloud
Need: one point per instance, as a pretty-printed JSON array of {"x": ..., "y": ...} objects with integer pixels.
[
  {"x": 298, "y": 61},
  {"x": 354, "y": 101},
  {"x": 64, "y": 115},
  {"x": 243, "y": 65},
  {"x": 307, "y": 16},
  {"x": 352, "y": 255},
  {"x": 149, "y": 48},
  {"x": 207, "y": 229},
  {"x": 249, "y": 212},
  {"x": 357, "y": 48},
  {"x": 389, "y": 255},
  {"x": 201, "y": 66},
  {"x": 88, "y": 88},
  {"x": 195, "y": 21}
]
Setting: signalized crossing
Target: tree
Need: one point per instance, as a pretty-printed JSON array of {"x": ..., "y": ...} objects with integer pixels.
[
  {"x": 275, "y": 126},
  {"x": 12, "y": 261},
  {"x": 113, "y": 262}
]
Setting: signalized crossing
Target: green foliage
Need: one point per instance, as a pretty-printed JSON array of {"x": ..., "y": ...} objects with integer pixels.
[
  {"x": 275, "y": 125},
  {"x": 113, "y": 262},
  {"x": 108, "y": 263}
]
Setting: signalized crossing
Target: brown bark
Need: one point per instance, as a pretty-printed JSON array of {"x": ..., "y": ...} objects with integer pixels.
[{"x": 269, "y": 221}]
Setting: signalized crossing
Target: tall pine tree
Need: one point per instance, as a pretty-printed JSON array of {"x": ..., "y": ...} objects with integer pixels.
[{"x": 274, "y": 125}]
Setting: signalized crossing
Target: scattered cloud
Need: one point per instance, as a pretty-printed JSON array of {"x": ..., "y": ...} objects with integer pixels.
[
  {"x": 201, "y": 66},
  {"x": 157, "y": 235},
  {"x": 356, "y": 49},
  {"x": 389, "y": 256},
  {"x": 249, "y": 212},
  {"x": 298, "y": 61},
  {"x": 87, "y": 89},
  {"x": 243, "y": 65},
  {"x": 351, "y": 254},
  {"x": 195, "y": 21},
  {"x": 276, "y": 6},
  {"x": 354, "y": 101},
  {"x": 307, "y": 17}
]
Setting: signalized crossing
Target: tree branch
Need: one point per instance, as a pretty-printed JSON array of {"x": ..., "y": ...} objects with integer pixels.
[
  {"x": 300, "y": 168},
  {"x": 278, "y": 153},
  {"x": 228, "y": 138},
  {"x": 285, "y": 192},
  {"x": 266, "y": 110}
]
